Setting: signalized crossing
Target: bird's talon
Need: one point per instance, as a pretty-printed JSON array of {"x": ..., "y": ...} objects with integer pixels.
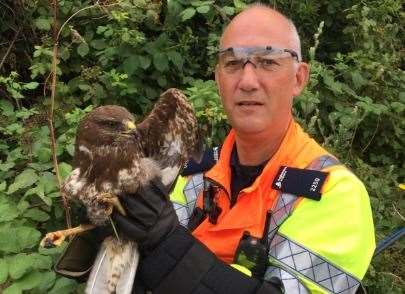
[
  {"x": 112, "y": 201},
  {"x": 56, "y": 238},
  {"x": 52, "y": 239}
]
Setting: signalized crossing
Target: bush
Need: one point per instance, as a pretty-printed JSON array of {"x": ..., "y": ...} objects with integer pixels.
[{"x": 127, "y": 52}]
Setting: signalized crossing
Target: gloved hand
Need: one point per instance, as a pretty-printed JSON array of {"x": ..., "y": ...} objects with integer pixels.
[{"x": 150, "y": 216}]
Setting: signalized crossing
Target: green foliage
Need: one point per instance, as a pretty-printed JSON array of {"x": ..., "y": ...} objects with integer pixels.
[
  {"x": 209, "y": 111},
  {"x": 127, "y": 52}
]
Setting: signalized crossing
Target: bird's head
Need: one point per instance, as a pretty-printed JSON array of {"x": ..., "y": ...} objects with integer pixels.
[{"x": 105, "y": 126}]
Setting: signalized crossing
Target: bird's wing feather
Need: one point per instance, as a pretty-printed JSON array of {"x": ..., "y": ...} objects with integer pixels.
[
  {"x": 114, "y": 268},
  {"x": 170, "y": 132},
  {"x": 126, "y": 282},
  {"x": 96, "y": 282}
]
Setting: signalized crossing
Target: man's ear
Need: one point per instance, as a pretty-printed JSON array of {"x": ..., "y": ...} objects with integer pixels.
[
  {"x": 217, "y": 79},
  {"x": 301, "y": 78}
]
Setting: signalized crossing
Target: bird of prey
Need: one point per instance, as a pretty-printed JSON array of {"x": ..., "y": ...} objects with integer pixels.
[{"x": 113, "y": 156}]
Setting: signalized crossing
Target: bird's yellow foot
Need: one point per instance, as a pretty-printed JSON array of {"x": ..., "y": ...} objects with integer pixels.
[{"x": 56, "y": 238}]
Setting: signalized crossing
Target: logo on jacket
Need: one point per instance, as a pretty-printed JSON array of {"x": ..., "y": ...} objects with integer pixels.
[{"x": 281, "y": 177}]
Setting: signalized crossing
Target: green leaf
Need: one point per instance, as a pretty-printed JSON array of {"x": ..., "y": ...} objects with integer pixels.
[
  {"x": 43, "y": 24},
  {"x": 25, "y": 179},
  {"x": 64, "y": 53},
  {"x": 198, "y": 103},
  {"x": 239, "y": 4},
  {"x": 162, "y": 81},
  {"x": 229, "y": 10},
  {"x": 22, "y": 206},
  {"x": 63, "y": 286},
  {"x": 70, "y": 149},
  {"x": 3, "y": 186},
  {"x": 358, "y": 80},
  {"x": 47, "y": 281},
  {"x": 13, "y": 289},
  {"x": 203, "y": 9},
  {"x": 101, "y": 29},
  {"x": 83, "y": 49},
  {"x": 30, "y": 281},
  {"x": 98, "y": 44},
  {"x": 44, "y": 154},
  {"x": 40, "y": 166},
  {"x": 37, "y": 215},
  {"x": 187, "y": 13},
  {"x": 6, "y": 166},
  {"x": 31, "y": 86},
  {"x": 18, "y": 265},
  {"x": 49, "y": 182},
  {"x": 8, "y": 210},
  {"x": 332, "y": 84},
  {"x": 64, "y": 169},
  {"x": 176, "y": 58},
  {"x": 16, "y": 239},
  {"x": 131, "y": 64},
  {"x": 40, "y": 192},
  {"x": 3, "y": 271},
  {"x": 6, "y": 107},
  {"x": 160, "y": 61},
  {"x": 144, "y": 61}
]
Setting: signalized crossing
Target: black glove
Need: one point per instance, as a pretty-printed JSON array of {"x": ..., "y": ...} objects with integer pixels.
[
  {"x": 150, "y": 216},
  {"x": 183, "y": 265}
]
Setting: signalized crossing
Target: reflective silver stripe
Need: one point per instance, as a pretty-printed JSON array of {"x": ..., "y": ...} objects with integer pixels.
[
  {"x": 291, "y": 284},
  {"x": 293, "y": 256},
  {"x": 322, "y": 162},
  {"x": 191, "y": 190},
  {"x": 282, "y": 210},
  {"x": 314, "y": 267}
]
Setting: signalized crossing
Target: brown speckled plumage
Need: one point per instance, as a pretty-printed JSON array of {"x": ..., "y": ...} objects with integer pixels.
[{"x": 110, "y": 158}]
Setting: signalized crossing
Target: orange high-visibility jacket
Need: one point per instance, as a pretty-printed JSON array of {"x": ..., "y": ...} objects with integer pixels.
[{"x": 329, "y": 242}]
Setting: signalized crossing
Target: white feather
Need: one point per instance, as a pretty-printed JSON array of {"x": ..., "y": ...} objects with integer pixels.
[
  {"x": 169, "y": 174},
  {"x": 114, "y": 268},
  {"x": 96, "y": 282},
  {"x": 126, "y": 282}
]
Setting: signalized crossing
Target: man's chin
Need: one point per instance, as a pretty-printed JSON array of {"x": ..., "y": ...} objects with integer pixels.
[{"x": 249, "y": 128}]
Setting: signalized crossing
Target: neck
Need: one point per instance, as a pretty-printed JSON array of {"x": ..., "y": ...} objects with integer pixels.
[{"x": 254, "y": 149}]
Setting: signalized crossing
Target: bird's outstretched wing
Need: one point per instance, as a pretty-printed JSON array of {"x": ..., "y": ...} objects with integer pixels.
[{"x": 170, "y": 133}]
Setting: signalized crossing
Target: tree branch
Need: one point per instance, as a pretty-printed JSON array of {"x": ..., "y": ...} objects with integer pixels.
[
  {"x": 9, "y": 48},
  {"x": 51, "y": 112}
]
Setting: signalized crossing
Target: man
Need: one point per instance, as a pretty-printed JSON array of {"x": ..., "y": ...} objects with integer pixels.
[
  {"x": 275, "y": 203},
  {"x": 275, "y": 212}
]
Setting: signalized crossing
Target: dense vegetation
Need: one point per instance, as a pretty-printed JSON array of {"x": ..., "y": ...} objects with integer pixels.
[{"x": 126, "y": 52}]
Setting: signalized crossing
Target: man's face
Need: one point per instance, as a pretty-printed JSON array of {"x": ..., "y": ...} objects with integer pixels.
[{"x": 257, "y": 98}]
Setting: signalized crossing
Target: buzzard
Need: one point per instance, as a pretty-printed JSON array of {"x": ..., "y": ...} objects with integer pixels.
[{"x": 113, "y": 156}]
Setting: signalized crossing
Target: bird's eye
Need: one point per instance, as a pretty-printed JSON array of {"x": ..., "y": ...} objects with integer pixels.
[{"x": 110, "y": 123}]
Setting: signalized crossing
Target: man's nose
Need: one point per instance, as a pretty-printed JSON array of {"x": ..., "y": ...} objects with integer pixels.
[{"x": 249, "y": 79}]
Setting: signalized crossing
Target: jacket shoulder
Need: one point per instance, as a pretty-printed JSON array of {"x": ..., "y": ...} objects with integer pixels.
[{"x": 208, "y": 160}]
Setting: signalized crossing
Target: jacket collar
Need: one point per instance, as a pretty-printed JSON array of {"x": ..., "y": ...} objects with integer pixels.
[{"x": 290, "y": 146}]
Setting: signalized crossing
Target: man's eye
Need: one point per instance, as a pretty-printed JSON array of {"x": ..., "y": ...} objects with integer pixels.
[
  {"x": 233, "y": 63},
  {"x": 267, "y": 62}
]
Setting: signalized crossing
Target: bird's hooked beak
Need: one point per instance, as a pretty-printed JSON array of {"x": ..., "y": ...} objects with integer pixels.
[{"x": 130, "y": 125}]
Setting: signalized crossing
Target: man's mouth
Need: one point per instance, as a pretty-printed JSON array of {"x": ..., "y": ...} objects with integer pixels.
[{"x": 248, "y": 103}]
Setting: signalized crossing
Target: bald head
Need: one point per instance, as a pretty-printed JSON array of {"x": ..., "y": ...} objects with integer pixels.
[{"x": 260, "y": 25}]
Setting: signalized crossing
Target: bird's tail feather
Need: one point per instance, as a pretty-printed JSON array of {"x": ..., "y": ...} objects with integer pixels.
[
  {"x": 126, "y": 281},
  {"x": 114, "y": 269}
]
